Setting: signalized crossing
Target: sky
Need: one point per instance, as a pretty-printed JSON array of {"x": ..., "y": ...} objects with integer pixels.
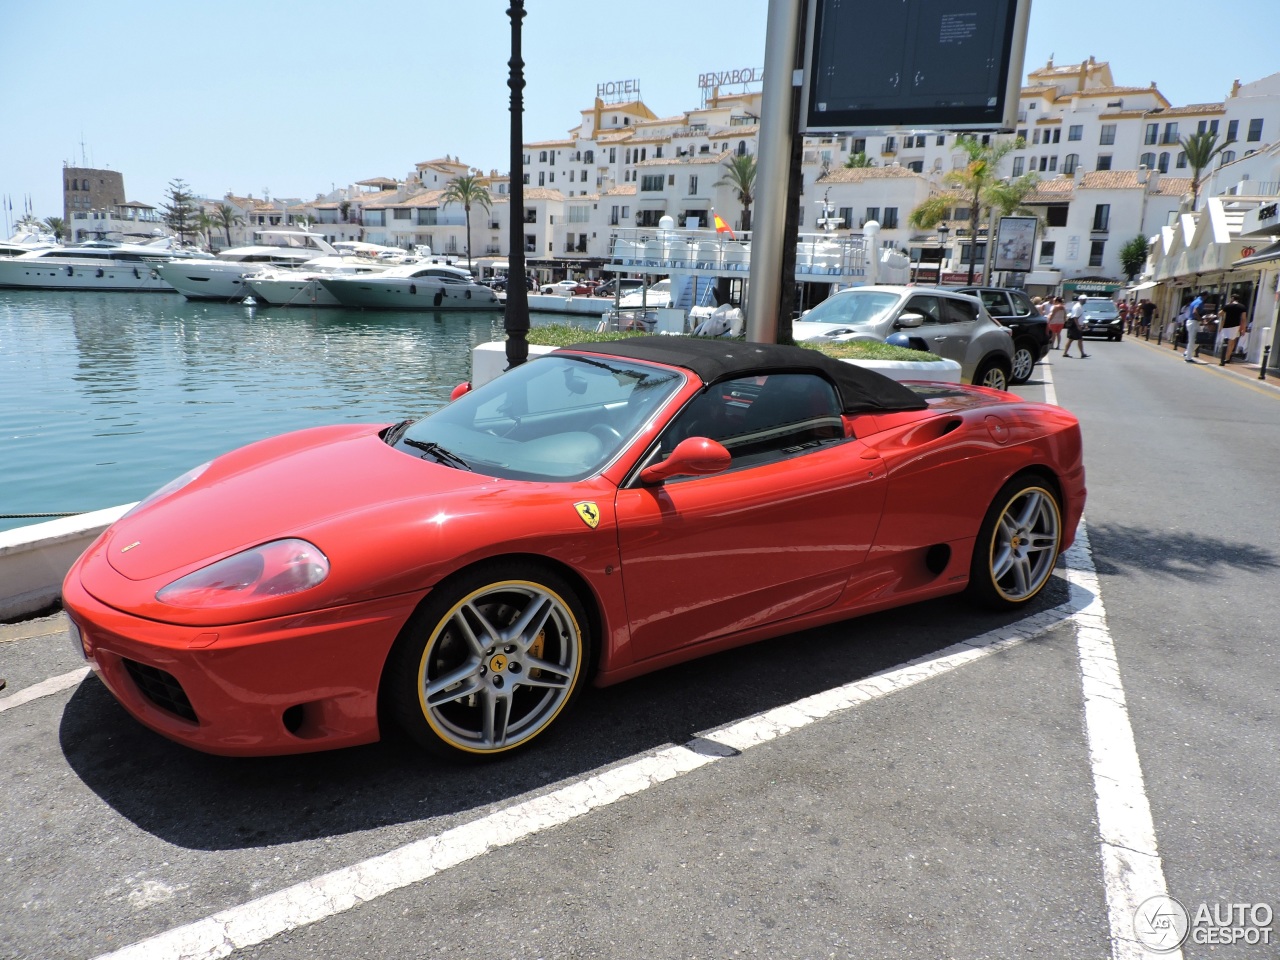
[{"x": 285, "y": 98}]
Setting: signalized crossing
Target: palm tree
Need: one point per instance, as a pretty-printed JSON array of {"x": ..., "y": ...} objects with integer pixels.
[
  {"x": 740, "y": 173},
  {"x": 1132, "y": 256},
  {"x": 859, "y": 160},
  {"x": 1200, "y": 149},
  {"x": 975, "y": 183},
  {"x": 57, "y": 226},
  {"x": 467, "y": 190},
  {"x": 225, "y": 216}
]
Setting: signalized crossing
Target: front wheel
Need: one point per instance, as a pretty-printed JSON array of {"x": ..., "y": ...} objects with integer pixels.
[
  {"x": 490, "y": 661},
  {"x": 1018, "y": 544},
  {"x": 992, "y": 373}
]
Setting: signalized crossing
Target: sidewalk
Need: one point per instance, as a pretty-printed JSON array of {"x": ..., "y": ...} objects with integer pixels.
[{"x": 1239, "y": 370}]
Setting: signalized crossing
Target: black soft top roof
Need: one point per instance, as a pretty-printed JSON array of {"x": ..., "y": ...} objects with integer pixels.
[{"x": 861, "y": 390}]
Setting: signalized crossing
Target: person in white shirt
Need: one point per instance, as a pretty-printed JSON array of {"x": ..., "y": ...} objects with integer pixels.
[{"x": 1075, "y": 333}]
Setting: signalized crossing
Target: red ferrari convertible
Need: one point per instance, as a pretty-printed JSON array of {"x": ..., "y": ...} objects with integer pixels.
[{"x": 600, "y": 512}]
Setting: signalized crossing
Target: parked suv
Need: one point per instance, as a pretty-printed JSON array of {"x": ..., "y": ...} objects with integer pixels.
[
  {"x": 1014, "y": 309},
  {"x": 952, "y": 325},
  {"x": 1102, "y": 318}
]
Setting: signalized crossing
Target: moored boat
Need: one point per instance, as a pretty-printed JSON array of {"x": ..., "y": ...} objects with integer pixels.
[
  {"x": 223, "y": 277},
  {"x": 420, "y": 286},
  {"x": 97, "y": 265}
]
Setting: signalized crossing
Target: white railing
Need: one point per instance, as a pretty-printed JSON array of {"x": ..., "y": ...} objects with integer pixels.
[{"x": 649, "y": 250}]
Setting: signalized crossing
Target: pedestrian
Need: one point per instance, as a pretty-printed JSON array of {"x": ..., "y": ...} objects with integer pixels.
[
  {"x": 1075, "y": 328},
  {"x": 1057, "y": 320},
  {"x": 1147, "y": 313},
  {"x": 1235, "y": 320},
  {"x": 1194, "y": 312}
]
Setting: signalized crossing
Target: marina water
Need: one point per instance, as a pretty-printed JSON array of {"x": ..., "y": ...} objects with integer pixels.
[{"x": 104, "y": 397}]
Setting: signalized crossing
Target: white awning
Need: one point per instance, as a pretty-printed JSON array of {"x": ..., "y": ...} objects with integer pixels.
[{"x": 1146, "y": 285}]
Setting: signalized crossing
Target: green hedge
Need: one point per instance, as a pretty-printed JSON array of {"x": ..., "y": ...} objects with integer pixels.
[{"x": 565, "y": 334}]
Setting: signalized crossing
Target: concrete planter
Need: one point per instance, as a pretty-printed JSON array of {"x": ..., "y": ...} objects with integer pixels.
[{"x": 488, "y": 360}]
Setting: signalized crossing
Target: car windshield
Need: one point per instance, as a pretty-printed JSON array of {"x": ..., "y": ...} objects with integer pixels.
[
  {"x": 1103, "y": 309},
  {"x": 557, "y": 418},
  {"x": 854, "y": 306}
]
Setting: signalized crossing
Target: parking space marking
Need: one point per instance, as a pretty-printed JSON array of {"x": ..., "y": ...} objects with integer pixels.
[
  {"x": 340, "y": 890},
  {"x": 43, "y": 689},
  {"x": 1131, "y": 866}
]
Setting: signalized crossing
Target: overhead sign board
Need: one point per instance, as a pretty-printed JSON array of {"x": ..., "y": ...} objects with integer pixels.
[
  {"x": 617, "y": 90},
  {"x": 728, "y": 78},
  {"x": 918, "y": 64}
]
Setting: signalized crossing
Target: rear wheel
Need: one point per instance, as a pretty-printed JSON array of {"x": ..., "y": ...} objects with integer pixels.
[
  {"x": 993, "y": 372},
  {"x": 490, "y": 661},
  {"x": 1018, "y": 544},
  {"x": 1024, "y": 361}
]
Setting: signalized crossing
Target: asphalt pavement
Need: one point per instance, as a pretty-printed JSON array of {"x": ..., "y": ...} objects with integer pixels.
[{"x": 805, "y": 797}]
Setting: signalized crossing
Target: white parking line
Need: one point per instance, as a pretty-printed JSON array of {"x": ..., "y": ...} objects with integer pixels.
[
  {"x": 43, "y": 689},
  {"x": 333, "y": 893}
]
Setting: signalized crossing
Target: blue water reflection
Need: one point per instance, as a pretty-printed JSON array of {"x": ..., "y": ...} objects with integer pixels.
[{"x": 106, "y": 396}]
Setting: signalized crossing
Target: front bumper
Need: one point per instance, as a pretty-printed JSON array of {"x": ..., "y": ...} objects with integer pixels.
[{"x": 288, "y": 685}]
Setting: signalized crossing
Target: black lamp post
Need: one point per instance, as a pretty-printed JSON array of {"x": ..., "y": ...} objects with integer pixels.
[{"x": 515, "y": 319}]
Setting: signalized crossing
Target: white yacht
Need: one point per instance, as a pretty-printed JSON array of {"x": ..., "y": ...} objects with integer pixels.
[
  {"x": 25, "y": 241},
  {"x": 414, "y": 286},
  {"x": 96, "y": 265},
  {"x": 223, "y": 277},
  {"x": 301, "y": 286}
]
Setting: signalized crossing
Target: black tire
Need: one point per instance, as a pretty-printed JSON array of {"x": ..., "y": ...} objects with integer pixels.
[
  {"x": 993, "y": 372},
  {"x": 507, "y": 647},
  {"x": 1025, "y": 354},
  {"x": 1018, "y": 544}
]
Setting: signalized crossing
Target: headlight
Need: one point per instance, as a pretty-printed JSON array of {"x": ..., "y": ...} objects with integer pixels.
[
  {"x": 171, "y": 487},
  {"x": 274, "y": 569}
]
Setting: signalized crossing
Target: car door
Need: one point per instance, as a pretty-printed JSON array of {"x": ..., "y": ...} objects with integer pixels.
[
  {"x": 773, "y": 537},
  {"x": 947, "y": 331}
]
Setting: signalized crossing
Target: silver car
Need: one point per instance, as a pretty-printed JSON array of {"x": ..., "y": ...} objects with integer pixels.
[{"x": 949, "y": 324}]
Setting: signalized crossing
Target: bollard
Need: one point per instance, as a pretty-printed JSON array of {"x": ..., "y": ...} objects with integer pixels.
[
  {"x": 1222, "y": 353},
  {"x": 1266, "y": 358}
]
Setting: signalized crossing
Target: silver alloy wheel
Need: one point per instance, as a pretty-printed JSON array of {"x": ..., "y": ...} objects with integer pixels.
[
  {"x": 995, "y": 378},
  {"x": 499, "y": 666},
  {"x": 1023, "y": 364},
  {"x": 1024, "y": 545}
]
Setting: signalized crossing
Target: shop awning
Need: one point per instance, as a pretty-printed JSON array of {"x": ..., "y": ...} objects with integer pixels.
[
  {"x": 1145, "y": 285},
  {"x": 1264, "y": 255}
]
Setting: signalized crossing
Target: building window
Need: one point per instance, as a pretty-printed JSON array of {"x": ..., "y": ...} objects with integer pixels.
[
  {"x": 1107, "y": 135},
  {"x": 1227, "y": 156},
  {"x": 530, "y": 215},
  {"x": 942, "y": 139},
  {"x": 1035, "y": 137},
  {"x": 588, "y": 156},
  {"x": 1147, "y": 160},
  {"x": 873, "y": 213},
  {"x": 1046, "y": 251},
  {"x": 1057, "y": 135},
  {"x": 1017, "y": 166},
  {"x": 1152, "y": 134},
  {"x": 1095, "y": 252},
  {"x": 1255, "y": 131},
  {"x": 890, "y": 218},
  {"x": 613, "y": 154},
  {"x": 1170, "y": 133},
  {"x": 651, "y": 182},
  {"x": 1022, "y": 135},
  {"x": 542, "y": 178},
  {"x": 1207, "y": 126},
  {"x": 1075, "y": 131},
  {"x": 1182, "y": 160},
  {"x": 859, "y": 145},
  {"x": 657, "y": 153},
  {"x": 1163, "y": 165},
  {"x": 916, "y": 166},
  {"x": 1070, "y": 163},
  {"x": 846, "y": 216},
  {"x": 1233, "y": 129},
  {"x": 1055, "y": 215},
  {"x": 693, "y": 185},
  {"x": 1101, "y": 217},
  {"x": 551, "y": 177},
  {"x": 583, "y": 178},
  {"x": 1104, "y": 162},
  {"x": 542, "y": 156}
]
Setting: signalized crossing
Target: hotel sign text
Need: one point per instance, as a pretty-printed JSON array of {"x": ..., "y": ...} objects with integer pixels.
[
  {"x": 728, "y": 77},
  {"x": 618, "y": 88}
]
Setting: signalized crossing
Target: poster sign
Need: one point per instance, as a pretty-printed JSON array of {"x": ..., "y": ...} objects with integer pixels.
[{"x": 1016, "y": 243}]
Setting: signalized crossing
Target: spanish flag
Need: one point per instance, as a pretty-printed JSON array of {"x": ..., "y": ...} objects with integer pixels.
[{"x": 722, "y": 227}]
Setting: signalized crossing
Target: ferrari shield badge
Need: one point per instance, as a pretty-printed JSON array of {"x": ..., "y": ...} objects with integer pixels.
[{"x": 589, "y": 513}]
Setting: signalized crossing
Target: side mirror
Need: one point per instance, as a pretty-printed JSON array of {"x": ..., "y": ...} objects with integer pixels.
[
  {"x": 910, "y": 320},
  {"x": 693, "y": 456},
  {"x": 461, "y": 390}
]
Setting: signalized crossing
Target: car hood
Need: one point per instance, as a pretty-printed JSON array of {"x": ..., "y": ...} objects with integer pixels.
[{"x": 282, "y": 487}]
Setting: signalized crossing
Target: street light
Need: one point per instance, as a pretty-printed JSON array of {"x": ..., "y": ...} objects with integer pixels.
[{"x": 943, "y": 230}]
